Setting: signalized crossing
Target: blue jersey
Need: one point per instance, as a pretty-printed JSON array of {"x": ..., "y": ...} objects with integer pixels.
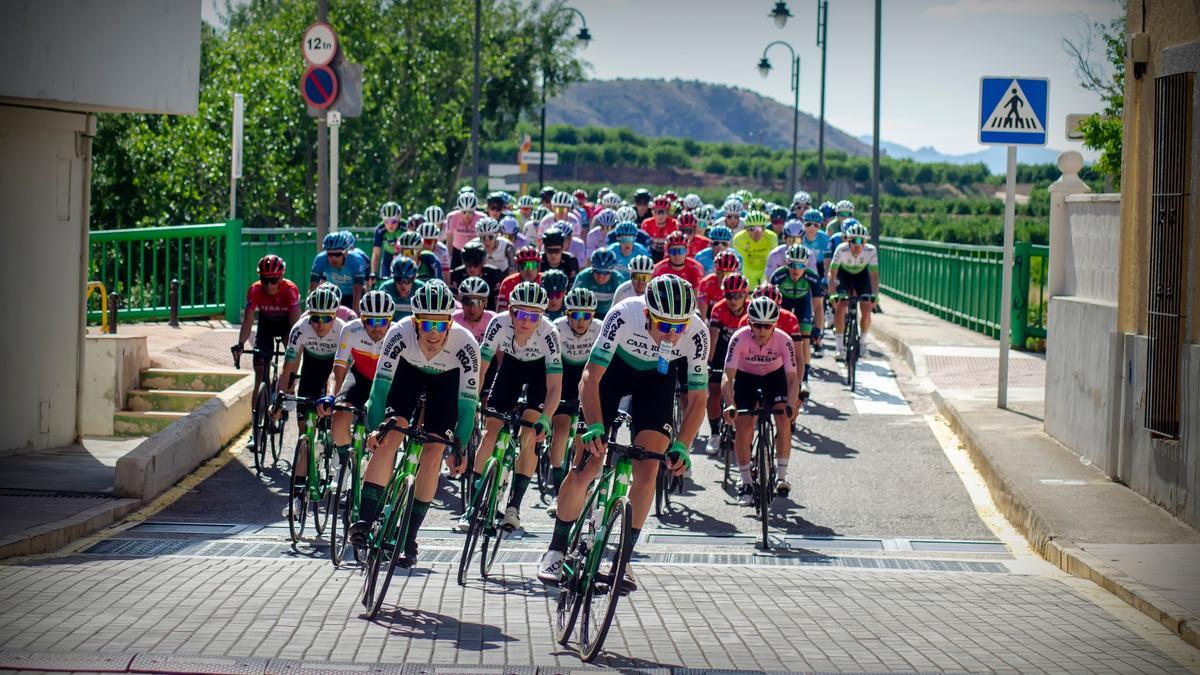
[
  {"x": 604, "y": 292},
  {"x": 706, "y": 256},
  {"x": 353, "y": 270},
  {"x": 818, "y": 248},
  {"x": 622, "y": 259}
]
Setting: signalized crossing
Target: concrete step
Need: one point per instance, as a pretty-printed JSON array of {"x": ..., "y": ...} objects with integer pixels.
[
  {"x": 166, "y": 400},
  {"x": 143, "y": 422},
  {"x": 177, "y": 379}
]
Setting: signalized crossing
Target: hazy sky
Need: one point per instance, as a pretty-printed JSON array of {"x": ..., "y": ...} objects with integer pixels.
[{"x": 934, "y": 52}]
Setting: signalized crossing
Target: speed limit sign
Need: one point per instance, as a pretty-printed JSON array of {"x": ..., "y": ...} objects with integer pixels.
[{"x": 319, "y": 44}]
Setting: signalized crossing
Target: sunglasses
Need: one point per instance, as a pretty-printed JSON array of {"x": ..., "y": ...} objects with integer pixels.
[
  {"x": 553, "y": 250},
  {"x": 320, "y": 318},
  {"x": 660, "y": 212},
  {"x": 754, "y": 228},
  {"x": 796, "y": 265},
  {"x": 405, "y": 281},
  {"x": 376, "y": 321},
  {"x": 844, "y": 214},
  {"x": 677, "y": 250},
  {"x": 858, "y": 241},
  {"x": 663, "y": 326},
  {"x": 600, "y": 272},
  {"x": 556, "y": 295},
  {"x": 625, "y": 240},
  {"x": 641, "y": 278},
  {"x": 522, "y": 315},
  {"x": 580, "y": 316},
  {"x": 761, "y": 326},
  {"x": 812, "y": 224},
  {"x": 267, "y": 281},
  {"x": 469, "y": 301},
  {"x": 530, "y": 265},
  {"x": 721, "y": 244},
  {"x": 488, "y": 237},
  {"x": 408, "y": 252},
  {"x": 428, "y": 326},
  {"x": 735, "y": 296},
  {"x": 335, "y": 254}
]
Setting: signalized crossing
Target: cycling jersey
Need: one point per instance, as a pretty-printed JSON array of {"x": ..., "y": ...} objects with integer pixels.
[
  {"x": 357, "y": 350},
  {"x": 476, "y": 328},
  {"x": 273, "y": 306},
  {"x": 491, "y": 275},
  {"x": 709, "y": 291},
  {"x": 705, "y": 258},
  {"x": 429, "y": 266},
  {"x": 355, "y": 265},
  {"x": 697, "y": 244},
  {"x": 596, "y": 238},
  {"x": 604, "y": 292},
  {"x": 624, "y": 292},
  {"x": 458, "y": 354},
  {"x": 754, "y": 253},
  {"x": 692, "y": 271},
  {"x": 386, "y": 243},
  {"x": 571, "y": 217},
  {"x": 747, "y": 356},
  {"x": 567, "y": 264},
  {"x": 797, "y": 293},
  {"x": 658, "y": 233},
  {"x": 403, "y": 302},
  {"x": 460, "y": 227},
  {"x": 844, "y": 259},
  {"x": 626, "y": 335},
  {"x": 788, "y": 323},
  {"x": 622, "y": 263},
  {"x": 443, "y": 256},
  {"x": 777, "y": 259},
  {"x": 500, "y": 257},
  {"x": 818, "y": 246},
  {"x": 638, "y": 238},
  {"x": 542, "y": 344},
  {"x": 304, "y": 339},
  {"x": 506, "y": 288},
  {"x": 576, "y": 348}
]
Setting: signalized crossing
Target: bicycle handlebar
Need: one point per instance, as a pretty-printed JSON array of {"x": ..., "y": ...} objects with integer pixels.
[
  {"x": 390, "y": 424},
  {"x": 507, "y": 418},
  {"x": 763, "y": 412}
]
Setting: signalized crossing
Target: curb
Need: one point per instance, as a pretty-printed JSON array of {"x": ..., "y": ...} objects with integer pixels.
[{"x": 55, "y": 535}]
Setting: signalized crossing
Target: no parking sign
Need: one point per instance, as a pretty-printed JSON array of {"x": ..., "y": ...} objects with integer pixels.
[{"x": 319, "y": 85}]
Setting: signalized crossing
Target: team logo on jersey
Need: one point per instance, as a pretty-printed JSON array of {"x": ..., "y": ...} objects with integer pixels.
[
  {"x": 468, "y": 359},
  {"x": 493, "y": 329},
  {"x": 612, "y": 326},
  {"x": 700, "y": 339}
]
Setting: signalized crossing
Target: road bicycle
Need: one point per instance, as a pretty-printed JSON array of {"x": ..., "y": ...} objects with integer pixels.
[
  {"x": 314, "y": 451},
  {"x": 593, "y": 576},
  {"x": 545, "y": 467},
  {"x": 347, "y": 489},
  {"x": 666, "y": 483},
  {"x": 853, "y": 340},
  {"x": 763, "y": 467},
  {"x": 264, "y": 429}
]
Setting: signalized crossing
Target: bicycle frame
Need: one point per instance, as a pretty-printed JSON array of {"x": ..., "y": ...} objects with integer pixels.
[
  {"x": 406, "y": 465},
  {"x": 612, "y": 485}
]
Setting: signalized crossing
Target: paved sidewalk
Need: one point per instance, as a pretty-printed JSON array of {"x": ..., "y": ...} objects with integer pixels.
[
  {"x": 193, "y": 344},
  {"x": 1072, "y": 513}
]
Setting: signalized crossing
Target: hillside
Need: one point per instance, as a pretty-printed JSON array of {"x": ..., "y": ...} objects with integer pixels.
[{"x": 694, "y": 110}]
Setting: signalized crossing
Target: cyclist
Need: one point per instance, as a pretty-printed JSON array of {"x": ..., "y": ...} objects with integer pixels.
[
  {"x": 553, "y": 255},
  {"x": 724, "y": 320},
  {"x": 532, "y": 365},
  {"x": 433, "y": 214},
  {"x": 473, "y": 295},
  {"x": 401, "y": 286},
  {"x": 474, "y": 257},
  {"x": 754, "y": 243},
  {"x": 687, "y": 226},
  {"x": 731, "y": 212},
  {"x": 843, "y": 210},
  {"x": 659, "y": 225},
  {"x": 460, "y": 224},
  {"x": 528, "y": 269},
  {"x": 386, "y": 234},
  {"x": 828, "y": 211},
  {"x": 341, "y": 265},
  {"x": 525, "y": 204},
  {"x": 556, "y": 284},
  {"x": 510, "y": 231},
  {"x": 720, "y": 239},
  {"x": 709, "y": 292},
  {"x": 798, "y": 284},
  {"x": 678, "y": 263},
  {"x": 430, "y": 233},
  {"x": 499, "y": 250},
  {"x": 602, "y": 223},
  {"x": 817, "y": 243},
  {"x": 853, "y": 271},
  {"x": 626, "y": 246},
  {"x": 793, "y": 232},
  {"x": 577, "y": 333},
  {"x": 801, "y": 202},
  {"x": 779, "y": 218},
  {"x": 602, "y": 279},
  {"x": 428, "y": 265},
  {"x": 562, "y": 206},
  {"x": 691, "y": 202},
  {"x": 496, "y": 205},
  {"x": 641, "y": 205},
  {"x": 641, "y": 268},
  {"x": 424, "y": 354},
  {"x": 278, "y": 303},
  {"x": 761, "y": 358},
  {"x": 650, "y": 338},
  {"x": 354, "y": 364}
]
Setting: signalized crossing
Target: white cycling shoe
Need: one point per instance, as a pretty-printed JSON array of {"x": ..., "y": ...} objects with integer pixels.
[{"x": 550, "y": 568}]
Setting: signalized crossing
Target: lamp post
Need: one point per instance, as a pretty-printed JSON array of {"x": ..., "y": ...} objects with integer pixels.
[
  {"x": 764, "y": 69},
  {"x": 475, "y": 104},
  {"x": 780, "y": 14},
  {"x": 584, "y": 36}
]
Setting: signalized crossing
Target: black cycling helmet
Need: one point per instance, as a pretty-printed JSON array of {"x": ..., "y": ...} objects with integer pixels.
[
  {"x": 547, "y": 192},
  {"x": 642, "y": 196},
  {"x": 473, "y": 253},
  {"x": 553, "y": 237}
]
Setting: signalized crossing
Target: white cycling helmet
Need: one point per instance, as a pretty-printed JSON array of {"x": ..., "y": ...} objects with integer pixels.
[
  {"x": 429, "y": 230},
  {"x": 474, "y": 287},
  {"x": 433, "y": 298},
  {"x": 562, "y": 200},
  {"x": 793, "y": 228},
  {"x": 670, "y": 297},
  {"x": 467, "y": 201},
  {"x": 641, "y": 264},
  {"x": 801, "y": 198},
  {"x": 376, "y": 304},
  {"x": 435, "y": 215},
  {"x": 796, "y": 253},
  {"x": 526, "y": 202},
  {"x": 389, "y": 211},
  {"x": 580, "y": 299},
  {"x": 323, "y": 299},
  {"x": 529, "y": 294},
  {"x": 485, "y": 226},
  {"x": 611, "y": 200},
  {"x": 692, "y": 202},
  {"x": 733, "y": 206},
  {"x": 762, "y": 310},
  {"x": 626, "y": 214},
  {"x": 844, "y": 206}
]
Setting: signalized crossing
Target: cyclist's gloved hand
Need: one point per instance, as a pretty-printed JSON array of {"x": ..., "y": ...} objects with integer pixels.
[
  {"x": 542, "y": 425},
  {"x": 325, "y": 403},
  {"x": 683, "y": 460}
]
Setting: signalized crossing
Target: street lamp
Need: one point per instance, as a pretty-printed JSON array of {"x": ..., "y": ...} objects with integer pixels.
[
  {"x": 764, "y": 69},
  {"x": 584, "y": 37},
  {"x": 781, "y": 15}
]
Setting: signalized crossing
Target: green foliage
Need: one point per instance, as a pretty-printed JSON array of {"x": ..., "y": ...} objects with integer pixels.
[
  {"x": 1103, "y": 131},
  {"x": 408, "y": 145}
]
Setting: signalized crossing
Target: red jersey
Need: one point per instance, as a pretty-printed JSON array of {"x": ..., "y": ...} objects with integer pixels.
[
  {"x": 658, "y": 234},
  {"x": 709, "y": 292},
  {"x": 723, "y": 319},
  {"x": 787, "y": 323},
  {"x": 697, "y": 244},
  {"x": 506, "y": 288},
  {"x": 692, "y": 272},
  {"x": 273, "y": 306}
]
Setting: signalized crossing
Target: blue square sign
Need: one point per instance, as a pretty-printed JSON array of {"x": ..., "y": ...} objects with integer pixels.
[{"x": 1012, "y": 110}]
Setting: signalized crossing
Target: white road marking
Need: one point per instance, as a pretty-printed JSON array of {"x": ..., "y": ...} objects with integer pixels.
[{"x": 876, "y": 391}]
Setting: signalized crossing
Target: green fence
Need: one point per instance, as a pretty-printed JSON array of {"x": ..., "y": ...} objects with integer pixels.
[{"x": 962, "y": 283}]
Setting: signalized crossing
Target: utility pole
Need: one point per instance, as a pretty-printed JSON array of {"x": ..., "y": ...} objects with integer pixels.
[
  {"x": 823, "y": 43},
  {"x": 475, "y": 105},
  {"x": 322, "y": 156},
  {"x": 875, "y": 225}
]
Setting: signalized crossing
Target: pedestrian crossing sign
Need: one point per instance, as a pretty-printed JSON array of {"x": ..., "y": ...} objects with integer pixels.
[{"x": 1012, "y": 110}]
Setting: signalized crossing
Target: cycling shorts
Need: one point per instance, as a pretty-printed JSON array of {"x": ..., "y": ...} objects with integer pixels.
[
  {"x": 265, "y": 333},
  {"x": 802, "y": 308},
  {"x": 441, "y": 393},
  {"x": 570, "y": 386},
  {"x": 653, "y": 395},
  {"x": 746, "y": 388},
  {"x": 314, "y": 378},
  {"x": 515, "y": 376},
  {"x": 355, "y": 390},
  {"x": 854, "y": 284}
]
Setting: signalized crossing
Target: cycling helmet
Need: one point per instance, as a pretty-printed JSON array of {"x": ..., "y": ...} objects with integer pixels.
[
  {"x": 529, "y": 294},
  {"x": 626, "y": 213},
  {"x": 762, "y": 310},
  {"x": 409, "y": 241},
  {"x": 486, "y": 226},
  {"x": 334, "y": 242},
  {"x": 778, "y": 213},
  {"x": 496, "y": 199},
  {"x": 641, "y": 264},
  {"x": 466, "y": 188},
  {"x": 733, "y": 207},
  {"x": 376, "y": 304},
  {"x": 580, "y": 299},
  {"x": 676, "y": 238},
  {"x": 562, "y": 200},
  {"x": 271, "y": 265},
  {"x": 768, "y": 290},
  {"x": 580, "y": 195},
  {"x": 473, "y": 253},
  {"x": 603, "y": 260},
  {"x": 705, "y": 213},
  {"x": 467, "y": 201},
  {"x": 735, "y": 283},
  {"x": 848, "y": 223},
  {"x": 527, "y": 254},
  {"x": 323, "y": 300},
  {"x": 671, "y": 195},
  {"x": 547, "y": 193},
  {"x": 337, "y": 292},
  {"x": 553, "y": 236},
  {"x": 857, "y": 230},
  {"x": 389, "y": 211},
  {"x": 601, "y": 192},
  {"x": 797, "y": 253},
  {"x": 605, "y": 218},
  {"x": 670, "y": 297},
  {"x": 539, "y": 214},
  {"x": 625, "y": 229},
  {"x": 435, "y": 214},
  {"x": 720, "y": 233},
  {"x": 414, "y": 221},
  {"x": 642, "y": 196},
  {"x": 845, "y": 206},
  {"x": 433, "y": 298},
  {"x": 610, "y": 200},
  {"x": 813, "y": 216},
  {"x": 660, "y": 203},
  {"x": 793, "y": 228},
  {"x": 726, "y": 261},
  {"x": 526, "y": 202},
  {"x": 472, "y": 287},
  {"x": 757, "y": 204},
  {"x": 429, "y": 231},
  {"x": 509, "y": 224},
  {"x": 692, "y": 202},
  {"x": 801, "y": 198},
  {"x": 757, "y": 219},
  {"x": 827, "y": 209},
  {"x": 688, "y": 221},
  {"x": 555, "y": 281},
  {"x": 403, "y": 268},
  {"x": 744, "y": 195}
]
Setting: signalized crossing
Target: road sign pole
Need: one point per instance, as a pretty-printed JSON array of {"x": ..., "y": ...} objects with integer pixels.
[
  {"x": 1006, "y": 299},
  {"x": 235, "y": 154},
  {"x": 334, "y": 122},
  {"x": 322, "y": 156}
]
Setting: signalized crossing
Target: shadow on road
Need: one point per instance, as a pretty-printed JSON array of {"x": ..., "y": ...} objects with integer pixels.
[
  {"x": 817, "y": 444},
  {"x": 417, "y": 624},
  {"x": 824, "y": 411},
  {"x": 684, "y": 517}
]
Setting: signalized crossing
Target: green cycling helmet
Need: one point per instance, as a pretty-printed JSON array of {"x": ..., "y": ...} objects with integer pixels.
[
  {"x": 433, "y": 298},
  {"x": 670, "y": 297},
  {"x": 757, "y": 219}
]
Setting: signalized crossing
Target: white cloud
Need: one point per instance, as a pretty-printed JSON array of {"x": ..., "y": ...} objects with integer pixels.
[{"x": 1023, "y": 7}]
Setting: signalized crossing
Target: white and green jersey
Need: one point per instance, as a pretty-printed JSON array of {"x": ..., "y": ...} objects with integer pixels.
[
  {"x": 843, "y": 259},
  {"x": 576, "y": 348},
  {"x": 542, "y": 344},
  {"x": 626, "y": 335},
  {"x": 303, "y": 339}
]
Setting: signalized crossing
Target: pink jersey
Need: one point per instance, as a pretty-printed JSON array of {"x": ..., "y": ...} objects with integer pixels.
[
  {"x": 746, "y": 356},
  {"x": 478, "y": 327},
  {"x": 460, "y": 227}
]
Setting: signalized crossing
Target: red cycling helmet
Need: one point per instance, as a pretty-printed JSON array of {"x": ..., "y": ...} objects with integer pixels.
[
  {"x": 271, "y": 266},
  {"x": 734, "y": 283},
  {"x": 670, "y": 194},
  {"x": 676, "y": 238},
  {"x": 726, "y": 261},
  {"x": 687, "y": 221},
  {"x": 527, "y": 254},
  {"x": 581, "y": 195},
  {"x": 661, "y": 202},
  {"x": 769, "y": 291}
]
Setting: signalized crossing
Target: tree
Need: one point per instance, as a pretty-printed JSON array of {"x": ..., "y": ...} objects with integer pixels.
[{"x": 1103, "y": 131}]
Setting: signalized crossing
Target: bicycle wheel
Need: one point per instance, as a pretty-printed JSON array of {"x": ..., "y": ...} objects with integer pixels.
[
  {"x": 479, "y": 510},
  {"x": 601, "y": 596},
  {"x": 726, "y": 450},
  {"x": 261, "y": 426},
  {"x": 570, "y": 591},
  {"x": 323, "y": 504},
  {"x": 765, "y": 439},
  {"x": 493, "y": 534},
  {"x": 343, "y": 502},
  {"x": 392, "y": 539},
  {"x": 298, "y": 506}
]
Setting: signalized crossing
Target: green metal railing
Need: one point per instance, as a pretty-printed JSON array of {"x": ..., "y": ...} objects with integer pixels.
[{"x": 962, "y": 283}]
